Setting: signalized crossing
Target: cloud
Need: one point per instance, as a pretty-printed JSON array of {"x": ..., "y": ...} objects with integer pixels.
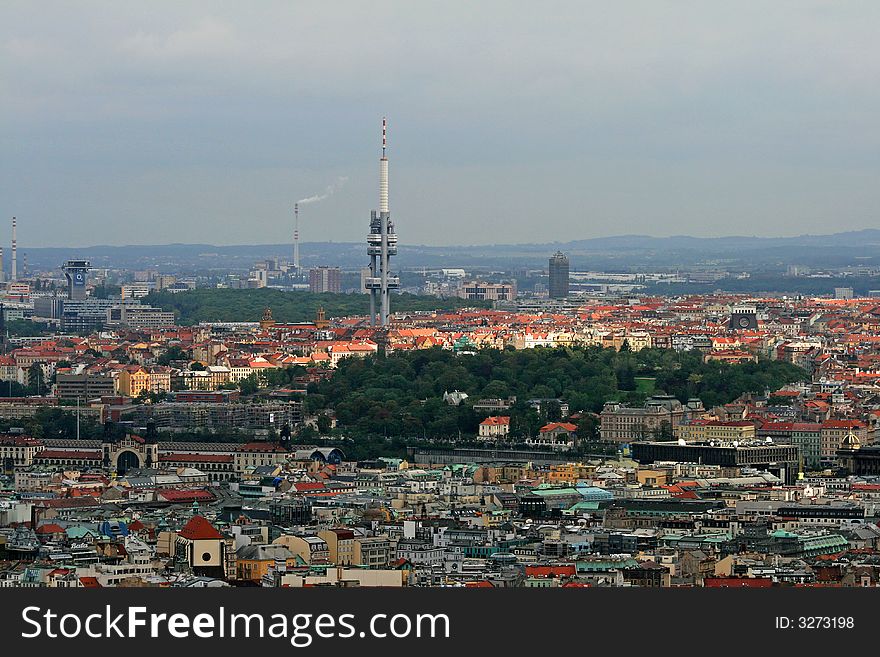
[
  {"x": 208, "y": 38},
  {"x": 579, "y": 117}
]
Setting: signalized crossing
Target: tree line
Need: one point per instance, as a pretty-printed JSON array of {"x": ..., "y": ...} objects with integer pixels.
[{"x": 231, "y": 305}]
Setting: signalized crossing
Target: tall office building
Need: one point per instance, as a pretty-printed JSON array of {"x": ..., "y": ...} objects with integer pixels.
[
  {"x": 76, "y": 272},
  {"x": 558, "y": 275},
  {"x": 325, "y": 279}
]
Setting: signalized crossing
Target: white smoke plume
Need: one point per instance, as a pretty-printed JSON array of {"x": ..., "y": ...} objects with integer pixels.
[{"x": 331, "y": 189}]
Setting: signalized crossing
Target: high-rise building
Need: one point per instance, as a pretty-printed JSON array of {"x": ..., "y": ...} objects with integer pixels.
[
  {"x": 76, "y": 272},
  {"x": 558, "y": 275},
  {"x": 325, "y": 279}
]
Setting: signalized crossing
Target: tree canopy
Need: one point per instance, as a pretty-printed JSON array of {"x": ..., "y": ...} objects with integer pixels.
[
  {"x": 402, "y": 394},
  {"x": 230, "y": 305}
]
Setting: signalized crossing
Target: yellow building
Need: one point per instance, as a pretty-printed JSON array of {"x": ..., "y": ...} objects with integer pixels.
[
  {"x": 133, "y": 380},
  {"x": 311, "y": 549},
  {"x": 136, "y": 379},
  {"x": 568, "y": 473},
  {"x": 254, "y": 561},
  {"x": 340, "y": 545},
  {"x": 648, "y": 477},
  {"x": 703, "y": 430}
]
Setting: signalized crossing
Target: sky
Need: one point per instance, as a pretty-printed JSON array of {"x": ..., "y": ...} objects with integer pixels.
[{"x": 508, "y": 122}]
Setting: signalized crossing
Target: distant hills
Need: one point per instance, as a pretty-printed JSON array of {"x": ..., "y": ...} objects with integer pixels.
[{"x": 617, "y": 252}]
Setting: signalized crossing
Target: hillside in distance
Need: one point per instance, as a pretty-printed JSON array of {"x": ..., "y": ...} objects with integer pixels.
[{"x": 635, "y": 252}]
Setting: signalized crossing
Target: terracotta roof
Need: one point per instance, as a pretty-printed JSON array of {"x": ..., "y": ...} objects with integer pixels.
[
  {"x": 172, "y": 495},
  {"x": 567, "y": 426},
  {"x": 496, "y": 421},
  {"x": 199, "y": 529}
]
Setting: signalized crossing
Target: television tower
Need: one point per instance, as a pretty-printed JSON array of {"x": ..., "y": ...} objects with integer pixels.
[
  {"x": 296, "y": 238},
  {"x": 381, "y": 245}
]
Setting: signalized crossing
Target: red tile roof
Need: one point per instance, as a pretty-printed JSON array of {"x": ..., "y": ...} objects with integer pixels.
[
  {"x": 180, "y": 496},
  {"x": 199, "y": 529},
  {"x": 567, "y": 426}
]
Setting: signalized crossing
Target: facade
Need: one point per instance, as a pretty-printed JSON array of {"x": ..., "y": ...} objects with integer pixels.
[
  {"x": 480, "y": 291},
  {"x": 558, "y": 436},
  {"x": 340, "y": 545},
  {"x": 833, "y": 432},
  {"x": 77, "y": 274},
  {"x": 139, "y": 317},
  {"x": 660, "y": 416},
  {"x": 253, "y": 562},
  {"x": 135, "y": 380},
  {"x": 84, "y": 386},
  {"x": 495, "y": 427},
  {"x": 17, "y": 451},
  {"x": 202, "y": 548},
  {"x": 325, "y": 279},
  {"x": 778, "y": 459},
  {"x": 309, "y": 549},
  {"x": 372, "y": 552},
  {"x": 703, "y": 430},
  {"x": 807, "y": 436}
]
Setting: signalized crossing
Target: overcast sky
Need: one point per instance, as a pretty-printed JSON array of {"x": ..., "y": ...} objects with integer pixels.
[{"x": 127, "y": 123}]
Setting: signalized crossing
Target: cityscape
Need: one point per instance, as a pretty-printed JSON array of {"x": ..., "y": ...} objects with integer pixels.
[
  {"x": 464, "y": 384},
  {"x": 575, "y": 433}
]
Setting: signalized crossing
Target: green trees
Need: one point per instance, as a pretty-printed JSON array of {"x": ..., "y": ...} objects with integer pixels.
[
  {"x": 401, "y": 395},
  {"x": 212, "y": 304},
  {"x": 249, "y": 385},
  {"x": 36, "y": 380},
  {"x": 174, "y": 352},
  {"x": 55, "y": 423}
]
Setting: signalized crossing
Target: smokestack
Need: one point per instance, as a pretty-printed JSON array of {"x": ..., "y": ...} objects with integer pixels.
[
  {"x": 14, "y": 276},
  {"x": 296, "y": 237}
]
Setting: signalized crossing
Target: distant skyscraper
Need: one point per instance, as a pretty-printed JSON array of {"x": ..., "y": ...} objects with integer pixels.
[
  {"x": 77, "y": 274},
  {"x": 558, "y": 275},
  {"x": 14, "y": 276},
  {"x": 325, "y": 279}
]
